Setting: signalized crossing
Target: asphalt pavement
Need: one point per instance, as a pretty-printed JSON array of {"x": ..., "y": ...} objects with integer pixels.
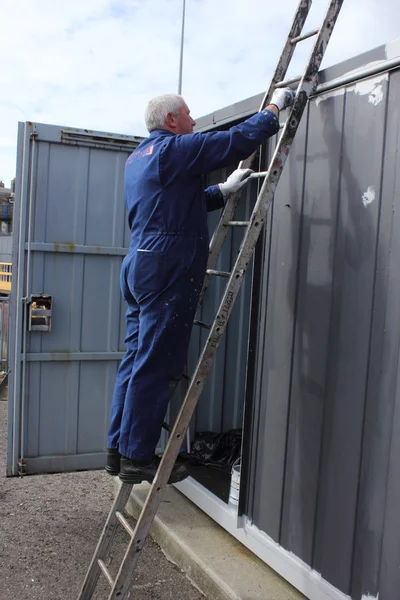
[{"x": 49, "y": 527}]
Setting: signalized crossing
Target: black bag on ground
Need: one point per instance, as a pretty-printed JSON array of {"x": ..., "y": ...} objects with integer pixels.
[{"x": 217, "y": 449}]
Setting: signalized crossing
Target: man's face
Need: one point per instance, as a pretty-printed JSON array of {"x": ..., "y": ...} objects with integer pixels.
[{"x": 183, "y": 121}]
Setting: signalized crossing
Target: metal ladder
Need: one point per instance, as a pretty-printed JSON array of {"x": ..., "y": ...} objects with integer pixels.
[{"x": 120, "y": 586}]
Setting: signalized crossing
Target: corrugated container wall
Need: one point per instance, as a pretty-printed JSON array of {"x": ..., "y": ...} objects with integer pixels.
[
  {"x": 328, "y": 344},
  {"x": 324, "y": 406}
]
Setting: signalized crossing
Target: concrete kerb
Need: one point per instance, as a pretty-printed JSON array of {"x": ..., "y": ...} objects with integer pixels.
[{"x": 215, "y": 562}]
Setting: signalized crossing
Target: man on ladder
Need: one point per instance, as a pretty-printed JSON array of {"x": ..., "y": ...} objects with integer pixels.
[
  {"x": 163, "y": 273},
  {"x": 167, "y": 215}
]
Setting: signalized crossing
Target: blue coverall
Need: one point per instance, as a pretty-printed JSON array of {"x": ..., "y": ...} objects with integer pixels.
[{"x": 162, "y": 275}]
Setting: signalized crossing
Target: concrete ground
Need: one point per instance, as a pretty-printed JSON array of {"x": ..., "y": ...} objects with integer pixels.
[
  {"x": 215, "y": 561},
  {"x": 49, "y": 526}
]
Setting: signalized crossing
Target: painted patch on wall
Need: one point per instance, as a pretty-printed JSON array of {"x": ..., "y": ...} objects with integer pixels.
[
  {"x": 372, "y": 88},
  {"x": 368, "y": 196}
]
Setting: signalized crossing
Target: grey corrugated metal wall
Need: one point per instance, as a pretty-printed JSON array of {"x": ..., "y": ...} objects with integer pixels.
[
  {"x": 5, "y": 247},
  {"x": 323, "y": 480},
  {"x": 71, "y": 238}
]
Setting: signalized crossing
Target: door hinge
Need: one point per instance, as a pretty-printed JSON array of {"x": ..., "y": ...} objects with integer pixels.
[{"x": 34, "y": 133}]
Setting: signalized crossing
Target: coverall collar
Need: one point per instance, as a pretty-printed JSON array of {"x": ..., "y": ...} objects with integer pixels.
[{"x": 158, "y": 132}]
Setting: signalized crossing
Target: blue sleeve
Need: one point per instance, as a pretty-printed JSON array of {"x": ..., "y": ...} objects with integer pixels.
[
  {"x": 214, "y": 198},
  {"x": 205, "y": 152}
]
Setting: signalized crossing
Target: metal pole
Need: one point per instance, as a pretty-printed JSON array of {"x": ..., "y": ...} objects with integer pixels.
[{"x": 181, "y": 56}]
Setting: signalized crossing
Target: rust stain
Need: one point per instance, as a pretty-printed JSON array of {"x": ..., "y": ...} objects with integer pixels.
[{"x": 64, "y": 246}]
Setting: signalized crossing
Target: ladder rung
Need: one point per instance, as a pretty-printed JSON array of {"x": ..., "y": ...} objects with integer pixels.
[
  {"x": 106, "y": 572},
  {"x": 238, "y": 223},
  {"x": 124, "y": 523},
  {"x": 218, "y": 273},
  {"x": 186, "y": 376},
  {"x": 200, "y": 324},
  {"x": 300, "y": 38},
  {"x": 287, "y": 82},
  {"x": 166, "y": 427},
  {"x": 259, "y": 174}
]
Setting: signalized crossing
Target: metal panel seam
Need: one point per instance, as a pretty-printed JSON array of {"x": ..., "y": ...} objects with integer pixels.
[
  {"x": 339, "y": 197},
  {"x": 295, "y": 308},
  {"x": 266, "y": 251},
  {"x": 377, "y": 241}
]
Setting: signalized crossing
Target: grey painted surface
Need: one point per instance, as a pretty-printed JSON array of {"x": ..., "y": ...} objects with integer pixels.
[
  {"x": 73, "y": 235},
  {"x": 5, "y": 248},
  {"x": 378, "y": 488},
  {"x": 389, "y": 582},
  {"x": 329, "y": 343}
]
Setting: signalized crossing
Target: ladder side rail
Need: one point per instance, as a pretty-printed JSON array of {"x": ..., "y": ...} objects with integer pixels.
[
  {"x": 104, "y": 543},
  {"x": 220, "y": 232}
]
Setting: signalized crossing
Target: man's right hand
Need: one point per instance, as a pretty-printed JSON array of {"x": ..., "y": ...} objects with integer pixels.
[{"x": 282, "y": 98}]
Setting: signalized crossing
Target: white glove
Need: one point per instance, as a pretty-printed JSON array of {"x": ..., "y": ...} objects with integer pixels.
[
  {"x": 235, "y": 181},
  {"x": 282, "y": 98}
]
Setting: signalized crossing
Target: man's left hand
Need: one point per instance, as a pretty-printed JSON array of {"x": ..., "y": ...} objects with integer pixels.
[{"x": 235, "y": 181}]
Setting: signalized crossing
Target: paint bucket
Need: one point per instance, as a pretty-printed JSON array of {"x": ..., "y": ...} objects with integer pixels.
[{"x": 235, "y": 484}]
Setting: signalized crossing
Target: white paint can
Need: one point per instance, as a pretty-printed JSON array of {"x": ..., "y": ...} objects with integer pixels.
[{"x": 235, "y": 484}]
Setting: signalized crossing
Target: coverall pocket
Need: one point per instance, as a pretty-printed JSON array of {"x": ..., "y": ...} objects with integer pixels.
[{"x": 148, "y": 270}]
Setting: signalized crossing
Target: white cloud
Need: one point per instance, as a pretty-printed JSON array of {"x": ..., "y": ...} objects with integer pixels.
[{"x": 95, "y": 63}]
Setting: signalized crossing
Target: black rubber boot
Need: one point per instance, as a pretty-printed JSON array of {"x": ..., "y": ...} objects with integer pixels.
[
  {"x": 113, "y": 462},
  {"x": 133, "y": 473}
]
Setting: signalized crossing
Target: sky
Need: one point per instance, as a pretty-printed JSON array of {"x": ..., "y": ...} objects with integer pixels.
[{"x": 95, "y": 63}]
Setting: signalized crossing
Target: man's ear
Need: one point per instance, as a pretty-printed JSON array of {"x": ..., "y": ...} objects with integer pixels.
[{"x": 170, "y": 120}]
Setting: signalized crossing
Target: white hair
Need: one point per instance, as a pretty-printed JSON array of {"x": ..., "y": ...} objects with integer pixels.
[{"x": 158, "y": 108}]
